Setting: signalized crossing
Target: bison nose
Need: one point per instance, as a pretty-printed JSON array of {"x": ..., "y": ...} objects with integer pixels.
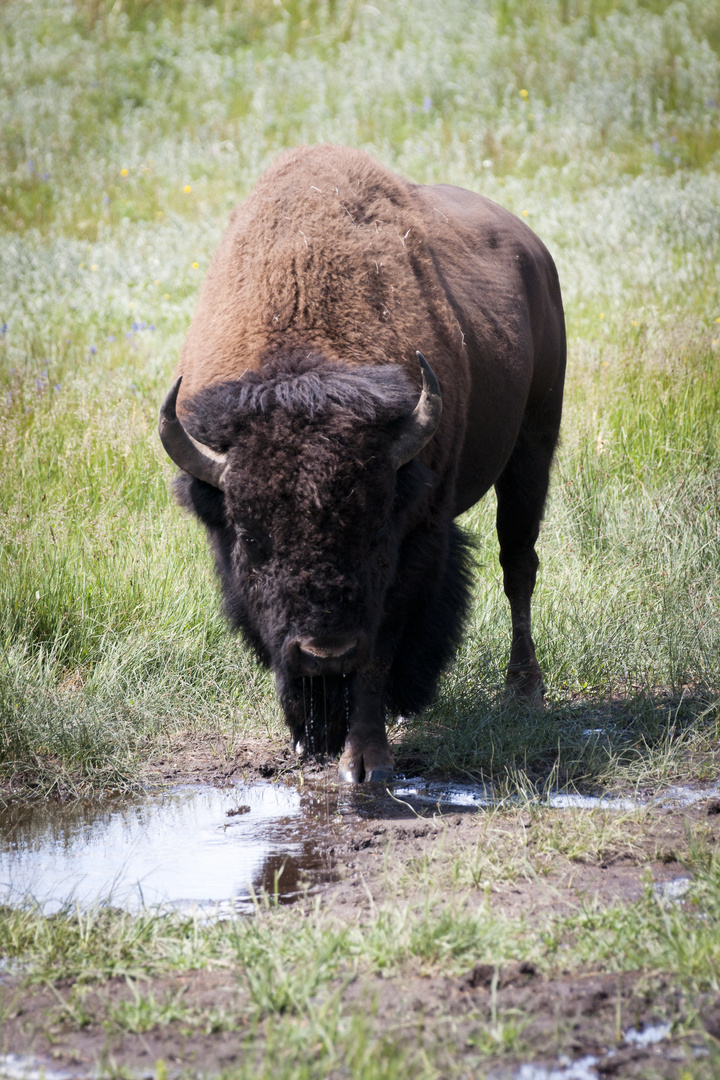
[{"x": 329, "y": 655}]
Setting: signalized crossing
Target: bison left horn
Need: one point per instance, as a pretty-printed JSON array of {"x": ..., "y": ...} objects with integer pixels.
[
  {"x": 421, "y": 425},
  {"x": 188, "y": 454}
]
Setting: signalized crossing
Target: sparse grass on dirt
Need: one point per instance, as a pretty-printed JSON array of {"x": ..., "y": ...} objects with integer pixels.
[
  {"x": 129, "y": 129},
  {"x": 453, "y": 946}
]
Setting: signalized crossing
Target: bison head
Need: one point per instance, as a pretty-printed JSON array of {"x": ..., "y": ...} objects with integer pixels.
[{"x": 305, "y": 477}]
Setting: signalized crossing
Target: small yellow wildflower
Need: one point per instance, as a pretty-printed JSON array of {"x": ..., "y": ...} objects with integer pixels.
[
  {"x": 524, "y": 94},
  {"x": 123, "y": 172},
  {"x": 160, "y": 213},
  {"x": 714, "y": 341},
  {"x": 132, "y": 303},
  {"x": 82, "y": 266},
  {"x": 187, "y": 189},
  {"x": 166, "y": 296},
  {"x": 635, "y": 322},
  {"x": 94, "y": 266},
  {"x": 158, "y": 281},
  {"x": 602, "y": 314},
  {"x": 717, "y": 320},
  {"x": 525, "y": 213},
  {"x": 195, "y": 265}
]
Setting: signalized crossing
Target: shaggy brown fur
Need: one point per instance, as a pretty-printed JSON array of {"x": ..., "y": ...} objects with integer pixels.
[
  {"x": 329, "y": 252},
  {"x": 300, "y": 363}
]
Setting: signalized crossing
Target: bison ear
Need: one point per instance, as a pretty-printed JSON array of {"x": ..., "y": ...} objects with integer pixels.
[
  {"x": 187, "y": 453},
  {"x": 419, "y": 428},
  {"x": 207, "y": 503}
]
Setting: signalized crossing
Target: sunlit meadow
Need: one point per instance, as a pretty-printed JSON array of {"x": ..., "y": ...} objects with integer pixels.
[{"x": 128, "y": 130}]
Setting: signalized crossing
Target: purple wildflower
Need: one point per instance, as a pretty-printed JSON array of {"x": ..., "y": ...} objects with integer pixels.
[{"x": 427, "y": 104}]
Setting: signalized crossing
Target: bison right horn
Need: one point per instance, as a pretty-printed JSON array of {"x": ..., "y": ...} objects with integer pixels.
[
  {"x": 188, "y": 454},
  {"x": 421, "y": 425}
]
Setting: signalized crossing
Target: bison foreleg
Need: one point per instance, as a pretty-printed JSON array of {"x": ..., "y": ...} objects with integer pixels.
[{"x": 367, "y": 753}]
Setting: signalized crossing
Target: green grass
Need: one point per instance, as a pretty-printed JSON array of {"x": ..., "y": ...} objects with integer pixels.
[
  {"x": 109, "y": 626},
  {"x": 304, "y": 987},
  {"x": 599, "y": 121}
]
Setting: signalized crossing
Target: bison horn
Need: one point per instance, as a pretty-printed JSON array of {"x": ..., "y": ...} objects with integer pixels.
[
  {"x": 188, "y": 454},
  {"x": 421, "y": 425}
]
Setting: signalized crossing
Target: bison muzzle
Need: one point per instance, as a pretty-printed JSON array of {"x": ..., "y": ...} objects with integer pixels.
[{"x": 328, "y": 458}]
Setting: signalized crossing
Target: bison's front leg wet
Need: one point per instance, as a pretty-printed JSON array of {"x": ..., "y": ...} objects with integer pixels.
[{"x": 367, "y": 753}]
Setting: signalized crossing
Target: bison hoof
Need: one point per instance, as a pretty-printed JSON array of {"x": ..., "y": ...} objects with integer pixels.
[
  {"x": 350, "y": 775},
  {"x": 373, "y": 765},
  {"x": 355, "y": 775},
  {"x": 380, "y": 775},
  {"x": 528, "y": 691}
]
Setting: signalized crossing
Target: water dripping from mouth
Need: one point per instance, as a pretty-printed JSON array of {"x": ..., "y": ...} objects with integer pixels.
[
  {"x": 326, "y": 718},
  {"x": 310, "y": 718},
  {"x": 346, "y": 699},
  {"x": 303, "y": 746}
]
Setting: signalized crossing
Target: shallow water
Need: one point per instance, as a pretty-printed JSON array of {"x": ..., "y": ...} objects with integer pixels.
[
  {"x": 21, "y": 1067},
  {"x": 218, "y": 849},
  {"x": 582, "y": 1069},
  {"x": 195, "y": 847},
  {"x": 191, "y": 846},
  {"x": 586, "y": 1068}
]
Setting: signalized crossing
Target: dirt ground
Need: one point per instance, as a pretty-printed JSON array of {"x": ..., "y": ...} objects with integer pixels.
[{"x": 449, "y": 1014}]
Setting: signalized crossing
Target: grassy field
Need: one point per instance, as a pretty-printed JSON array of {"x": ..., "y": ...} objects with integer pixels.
[{"x": 128, "y": 129}]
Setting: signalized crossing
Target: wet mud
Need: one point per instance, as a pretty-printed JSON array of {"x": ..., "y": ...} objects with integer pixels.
[{"x": 219, "y": 835}]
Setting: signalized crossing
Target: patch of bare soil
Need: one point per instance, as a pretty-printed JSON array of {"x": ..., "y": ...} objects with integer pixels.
[
  {"x": 461, "y": 1021},
  {"x": 454, "y": 1019},
  {"x": 193, "y": 758}
]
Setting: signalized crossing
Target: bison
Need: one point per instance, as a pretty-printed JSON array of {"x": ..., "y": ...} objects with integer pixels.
[{"x": 328, "y": 459}]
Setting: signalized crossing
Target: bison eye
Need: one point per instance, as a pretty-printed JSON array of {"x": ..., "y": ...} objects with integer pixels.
[{"x": 254, "y": 547}]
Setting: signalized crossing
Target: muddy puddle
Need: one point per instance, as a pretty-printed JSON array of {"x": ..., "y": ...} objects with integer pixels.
[
  {"x": 188, "y": 847},
  {"x": 194, "y": 847},
  {"x": 219, "y": 849}
]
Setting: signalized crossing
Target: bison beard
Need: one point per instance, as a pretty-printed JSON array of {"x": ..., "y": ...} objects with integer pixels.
[
  {"x": 328, "y": 422},
  {"x": 328, "y": 479}
]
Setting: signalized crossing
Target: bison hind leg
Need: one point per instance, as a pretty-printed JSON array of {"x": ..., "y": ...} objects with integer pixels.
[{"x": 521, "y": 492}]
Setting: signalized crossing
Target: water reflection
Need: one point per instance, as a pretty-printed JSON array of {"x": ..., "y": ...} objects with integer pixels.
[
  {"x": 220, "y": 849},
  {"x": 185, "y": 847}
]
